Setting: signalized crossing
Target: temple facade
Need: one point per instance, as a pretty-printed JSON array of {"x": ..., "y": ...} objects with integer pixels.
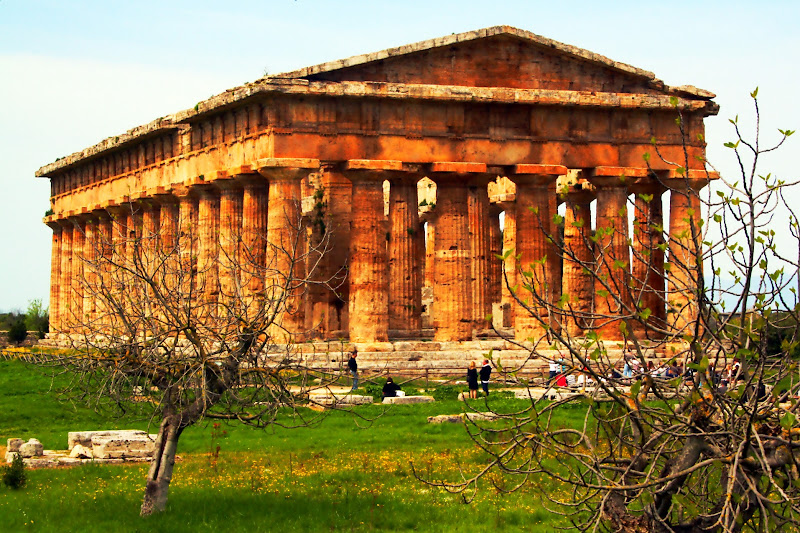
[{"x": 413, "y": 156}]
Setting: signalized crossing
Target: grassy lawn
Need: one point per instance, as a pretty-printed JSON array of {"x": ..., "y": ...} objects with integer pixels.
[{"x": 341, "y": 474}]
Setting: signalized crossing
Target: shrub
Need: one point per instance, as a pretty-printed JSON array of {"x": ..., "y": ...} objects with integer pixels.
[
  {"x": 14, "y": 475},
  {"x": 18, "y": 332}
]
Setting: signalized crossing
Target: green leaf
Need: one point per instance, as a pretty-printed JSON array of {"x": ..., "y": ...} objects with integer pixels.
[
  {"x": 637, "y": 385},
  {"x": 754, "y": 94},
  {"x": 788, "y": 420}
]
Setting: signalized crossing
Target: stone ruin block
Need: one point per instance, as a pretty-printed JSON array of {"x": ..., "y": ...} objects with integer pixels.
[
  {"x": 12, "y": 445},
  {"x": 84, "y": 438},
  {"x": 123, "y": 446},
  {"x": 32, "y": 448},
  {"x": 408, "y": 399},
  {"x": 329, "y": 400}
]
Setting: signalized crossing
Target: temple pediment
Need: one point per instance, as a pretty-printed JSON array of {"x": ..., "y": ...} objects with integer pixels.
[{"x": 500, "y": 56}]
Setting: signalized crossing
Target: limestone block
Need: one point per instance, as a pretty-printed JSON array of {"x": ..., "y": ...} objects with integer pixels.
[
  {"x": 375, "y": 346},
  {"x": 482, "y": 417},
  {"x": 69, "y": 461},
  {"x": 13, "y": 445},
  {"x": 409, "y": 399},
  {"x": 32, "y": 448},
  {"x": 446, "y": 419},
  {"x": 84, "y": 438},
  {"x": 123, "y": 446},
  {"x": 81, "y": 452},
  {"x": 344, "y": 399},
  {"x": 10, "y": 456}
]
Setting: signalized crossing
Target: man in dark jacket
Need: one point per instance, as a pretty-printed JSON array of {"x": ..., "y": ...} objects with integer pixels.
[
  {"x": 486, "y": 371},
  {"x": 353, "y": 366}
]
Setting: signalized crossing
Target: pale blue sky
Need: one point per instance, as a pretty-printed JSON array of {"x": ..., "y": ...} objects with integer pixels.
[{"x": 75, "y": 72}]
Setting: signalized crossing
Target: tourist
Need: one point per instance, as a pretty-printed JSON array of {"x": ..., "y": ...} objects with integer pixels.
[
  {"x": 472, "y": 380},
  {"x": 554, "y": 368},
  {"x": 390, "y": 388},
  {"x": 486, "y": 371},
  {"x": 353, "y": 366}
]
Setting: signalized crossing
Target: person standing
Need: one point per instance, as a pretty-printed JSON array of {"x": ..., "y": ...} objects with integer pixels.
[
  {"x": 486, "y": 371},
  {"x": 352, "y": 364},
  {"x": 554, "y": 368},
  {"x": 472, "y": 380}
]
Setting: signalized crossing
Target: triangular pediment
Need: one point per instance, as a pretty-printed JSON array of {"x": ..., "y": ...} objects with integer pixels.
[{"x": 493, "y": 57}]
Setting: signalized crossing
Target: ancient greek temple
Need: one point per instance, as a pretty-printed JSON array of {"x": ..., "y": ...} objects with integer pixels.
[{"x": 417, "y": 155}]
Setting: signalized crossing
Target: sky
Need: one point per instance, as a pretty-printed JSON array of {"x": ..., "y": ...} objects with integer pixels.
[{"x": 73, "y": 73}]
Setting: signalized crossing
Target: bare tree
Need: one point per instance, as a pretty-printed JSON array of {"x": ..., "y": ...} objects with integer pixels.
[
  {"x": 707, "y": 441},
  {"x": 164, "y": 313}
]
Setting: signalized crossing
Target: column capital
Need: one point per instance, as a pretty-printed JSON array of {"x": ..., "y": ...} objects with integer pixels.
[
  {"x": 465, "y": 172},
  {"x": 285, "y": 168},
  {"x": 378, "y": 170}
]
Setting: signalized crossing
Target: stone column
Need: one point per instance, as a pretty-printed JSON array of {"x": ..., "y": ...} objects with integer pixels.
[
  {"x": 647, "y": 261},
  {"x": 478, "y": 210},
  {"x": 187, "y": 245},
  {"x": 508, "y": 279},
  {"x": 495, "y": 251},
  {"x": 66, "y": 312},
  {"x": 231, "y": 209},
  {"x": 452, "y": 288},
  {"x": 578, "y": 285},
  {"x": 208, "y": 220},
  {"x": 405, "y": 263},
  {"x": 612, "y": 291},
  {"x": 369, "y": 265},
  {"x": 286, "y": 280},
  {"x": 90, "y": 270},
  {"x": 684, "y": 254},
  {"x": 104, "y": 251},
  {"x": 535, "y": 248},
  {"x": 167, "y": 251},
  {"x": 253, "y": 258},
  {"x": 55, "y": 276}
]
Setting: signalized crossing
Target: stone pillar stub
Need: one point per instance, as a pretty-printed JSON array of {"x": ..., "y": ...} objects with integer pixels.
[{"x": 536, "y": 186}]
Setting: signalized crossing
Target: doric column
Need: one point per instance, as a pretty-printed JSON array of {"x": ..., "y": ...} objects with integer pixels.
[
  {"x": 231, "y": 202},
  {"x": 286, "y": 280},
  {"x": 369, "y": 265},
  {"x": 647, "y": 260},
  {"x": 452, "y": 287},
  {"x": 187, "y": 243},
  {"x": 65, "y": 312},
  {"x": 578, "y": 285},
  {"x": 478, "y": 210},
  {"x": 167, "y": 251},
  {"x": 90, "y": 268},
  {"x": 55, "y": 276},
  {"x": 328, "y": 256},
  {"x": 78, "y": 239},
  {"x": 684, "y": 254},
  {"x": 534, "y": 241},
  {"x": 405, "y": 276},
  {"x": 495, "y": 250},
  {"x": 255, "y": 213},
  {"x": 208, "y": 220},
  {"x": 612, "y": 291},
  {"x": 103, "y": 258},
  {"x": 508, "y": 279}
]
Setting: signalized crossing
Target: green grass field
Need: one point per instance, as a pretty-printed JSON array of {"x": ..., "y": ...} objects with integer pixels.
[{"x": 342, "y": 474}]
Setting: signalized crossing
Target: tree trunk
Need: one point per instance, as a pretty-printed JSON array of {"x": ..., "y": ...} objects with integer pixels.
[{"x": 160, "y": 473}]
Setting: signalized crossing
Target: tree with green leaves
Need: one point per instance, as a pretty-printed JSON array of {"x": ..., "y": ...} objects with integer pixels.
[{"x": 709, "y": 442}]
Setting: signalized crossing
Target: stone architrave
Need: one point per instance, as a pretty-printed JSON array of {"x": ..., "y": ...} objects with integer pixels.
[
  {"x": 684, "y": 253},
  {"x": 535, "y": 248},
  {"x": 452, "y": 287},
  {"x": 405, "y": 276},
  {"x": 612, "y": 290},
  {"x": 285, "y": 283},
  {"x": 578, "y": 266}
]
